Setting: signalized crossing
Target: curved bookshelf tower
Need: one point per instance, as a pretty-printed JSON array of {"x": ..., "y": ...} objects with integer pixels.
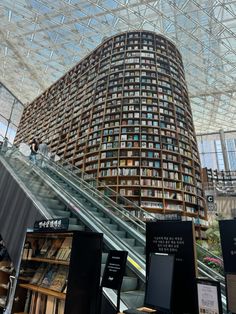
[{"x": 123, "y": 115}]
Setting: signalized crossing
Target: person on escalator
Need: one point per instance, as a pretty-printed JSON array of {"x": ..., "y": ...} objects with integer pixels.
[
  {"x": 33, "y": 149},
  {"x": 42, "y": 154},
  {"x": 5, "y": 145}
]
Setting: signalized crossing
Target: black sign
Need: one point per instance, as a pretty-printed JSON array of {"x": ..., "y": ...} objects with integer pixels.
[
  {"x": 176, "y": 237},
  {"x": 228, "y": 244},
  {"x": 114, "y": 269},
  {"x": 210, "y": 199},
  {"x": 61, "y": 224}
]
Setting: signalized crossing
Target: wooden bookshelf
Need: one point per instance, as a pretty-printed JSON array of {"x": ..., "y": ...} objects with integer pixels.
[
  {"x": 58, "y": 295},
  {"x": 57, "y": 286},
  {"x": 123, "y": 115},
  {"x": 5, "y": 272}
]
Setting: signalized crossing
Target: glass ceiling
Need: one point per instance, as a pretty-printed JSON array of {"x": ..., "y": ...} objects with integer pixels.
[{"x": 41, "y": 39}]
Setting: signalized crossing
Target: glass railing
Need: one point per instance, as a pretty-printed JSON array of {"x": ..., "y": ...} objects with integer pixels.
[
  {"x": 213, "y": 265},
  {"x": 24, "y": 168},
  {"x": 122, "y": 207},
  {"x": 35, "y": 179}
]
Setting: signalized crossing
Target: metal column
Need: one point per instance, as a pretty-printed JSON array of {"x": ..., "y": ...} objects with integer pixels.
[{"x": 224, "y": 150}]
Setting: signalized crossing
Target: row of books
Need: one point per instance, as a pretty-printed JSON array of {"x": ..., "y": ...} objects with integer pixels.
[
  {"x": 38, "y": 303},
  {"x": 58, "y": 249},
  {"x": 53, "y": 277}
]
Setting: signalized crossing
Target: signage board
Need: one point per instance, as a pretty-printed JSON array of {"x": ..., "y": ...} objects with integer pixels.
[
  {"x": 231, "y": 292},
  {"x": 51, "y": 225},
  {"x": 209, "y": 296},
  {"x": 114, "y": 269},
  {"x": 211, "y": 205},
  {"x": 210, "y": 199},
  {"x": 178, "y": 238},
  {"x": 228, "y": 244}
]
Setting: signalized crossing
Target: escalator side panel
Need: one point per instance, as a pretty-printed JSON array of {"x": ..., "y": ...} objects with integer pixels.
[{"x": 14, "y": 220}]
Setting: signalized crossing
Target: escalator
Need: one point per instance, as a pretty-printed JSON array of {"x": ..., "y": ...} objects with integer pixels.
[
  {"x": 55, "y": 199},
  {"x": 62, "y": 191}
]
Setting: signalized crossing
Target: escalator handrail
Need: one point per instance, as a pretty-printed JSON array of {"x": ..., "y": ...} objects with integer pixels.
[
  {"x": 135, "y": 256},
  {"x": 102, "y": 195},
  {"x": 135, "y": 220},
  {"x": 43, "y": 175},
  {"x": 209, "y": 270},
  {"x": 126, "y": 200}
]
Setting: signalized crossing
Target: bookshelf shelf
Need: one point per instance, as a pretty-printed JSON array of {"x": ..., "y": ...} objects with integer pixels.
[
  {"x": 49, "y": 284},
  {"x": 48, "y": 261},
  {"x": 131, "y": 104},
  {"x": 58, "y": 295}
]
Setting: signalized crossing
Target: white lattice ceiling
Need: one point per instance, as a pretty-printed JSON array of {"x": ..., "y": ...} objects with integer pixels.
[{"x": 41, "y": 40}]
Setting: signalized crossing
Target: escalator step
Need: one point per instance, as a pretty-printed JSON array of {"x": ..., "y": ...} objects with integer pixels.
[
  {"x": 112, "y": 226},
  {"x": 76, "y": 227},
  {"x": 73, "y": 220},
  {"x": 105, "y": 221},
  {"x": 139, "y": 249},
  {"x": 60, "y": 213},
  {"x": 119, "y": 233},
  {"x": 51, "y": 202},
  {"x": 98, "y": 214},
  {"x": 131, "y": 242},
  {"x": 133, "y": 298},
  {"x": 129, "y": 284},
  {"x": 60, "y": 206}
]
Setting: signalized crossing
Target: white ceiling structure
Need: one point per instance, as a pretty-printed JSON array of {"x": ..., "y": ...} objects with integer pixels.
[{"x": 42, "y": 39}]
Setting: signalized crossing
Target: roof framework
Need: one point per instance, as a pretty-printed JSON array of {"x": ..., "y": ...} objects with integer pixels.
[
  {"x": 10, "y": 112},
  {"x": 41, "y": 39}
]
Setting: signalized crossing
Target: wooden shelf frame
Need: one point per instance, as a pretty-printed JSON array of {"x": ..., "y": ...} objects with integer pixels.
[{"x": 134, "y": 81}]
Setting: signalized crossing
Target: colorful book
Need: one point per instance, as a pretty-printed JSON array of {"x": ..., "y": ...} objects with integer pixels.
[
  {"x": 49, "y": 276},
  {"x": 38, "y": 275},
  {"x": 59, "y": 281},
  {"x": 44, "y": 249},
  {"x": 64, "y": 251},
  {"x": 56, "y": 245}
]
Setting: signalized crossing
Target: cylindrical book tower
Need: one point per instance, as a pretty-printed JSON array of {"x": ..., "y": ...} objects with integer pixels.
[{"x": 123, "y": 115}]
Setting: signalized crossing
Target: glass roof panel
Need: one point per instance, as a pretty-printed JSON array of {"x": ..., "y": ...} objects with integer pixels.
[{"x": 42, "y": 39}]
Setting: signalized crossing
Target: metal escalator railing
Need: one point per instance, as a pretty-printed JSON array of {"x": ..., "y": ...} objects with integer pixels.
[
  {"x": 136, "y": 217},
  {"x": 76, "y": 177},
  {"x": 74, "y": 208},
  {"x": 136, "y": 210},
  {"x": 201, "y": 251},
  {"x": 202, "y": 267},
  {"x": 73, "y": 200}
]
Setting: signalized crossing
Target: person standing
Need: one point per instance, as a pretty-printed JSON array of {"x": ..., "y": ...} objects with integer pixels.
[
  {"x": 5, "y": 145},
  {"x": 33, "y": 149},
  {"x": 43, "y": 152}
]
